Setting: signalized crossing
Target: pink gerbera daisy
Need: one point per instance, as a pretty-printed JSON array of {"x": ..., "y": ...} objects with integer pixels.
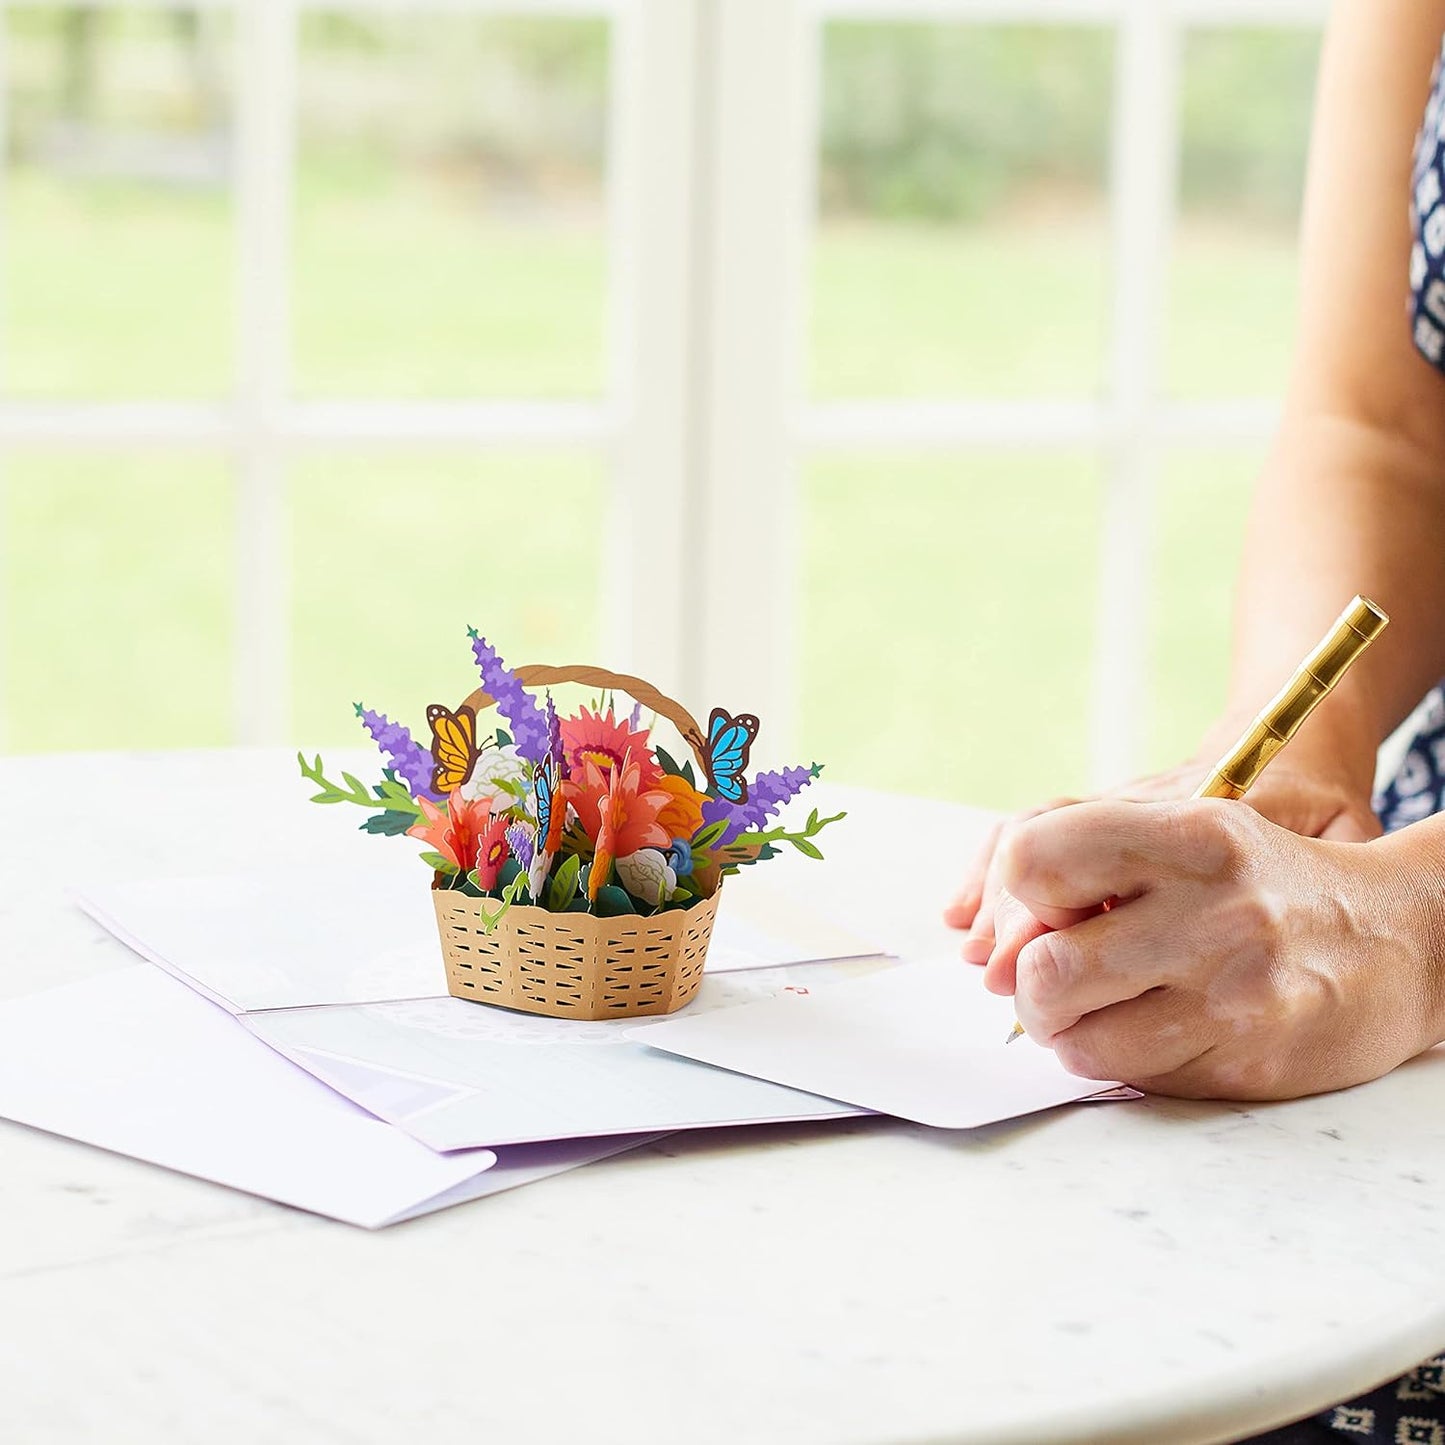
[{"x": 607, "y": 742}]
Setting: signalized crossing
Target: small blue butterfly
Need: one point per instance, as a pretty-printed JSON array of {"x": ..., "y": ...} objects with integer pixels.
[
  {"x": 544, "y": 786},
  {"x": 729, "y": 740}
]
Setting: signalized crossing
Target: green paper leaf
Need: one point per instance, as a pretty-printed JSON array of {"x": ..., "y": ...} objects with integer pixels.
[
  {"x": 391, "y": 791},
  {"x": 390, "y": 824},
  {"x": 563, "y": 888},
  {"x": 492, "y": 917},
  {"x": 437, "y": 863},
  {"x": 504, "y": 738},
  {"x": 705, "y": 837},
  {"x": 613, "y": 902},
  {"x": 671, "y": 765}
]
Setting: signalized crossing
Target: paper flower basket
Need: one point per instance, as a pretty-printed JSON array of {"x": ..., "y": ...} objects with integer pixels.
[
  {"x": 577, "y": 866},
  {"x": 577, "y": 965}
]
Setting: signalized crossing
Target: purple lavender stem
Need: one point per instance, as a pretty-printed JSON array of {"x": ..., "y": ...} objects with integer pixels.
[
  {"x": 406, "y": 757},
  {"x": 767, "y": 793},
  {"x": 514, "y": 702},
  {"x": 554, "y": 735},
  {"x": 520, "y": 839}
]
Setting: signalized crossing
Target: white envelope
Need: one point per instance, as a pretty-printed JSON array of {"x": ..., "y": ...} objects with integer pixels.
[
  {"x": 139, "y": 1064},
  {"x": 274, "y": 940},
  {"x": 921, "y": 1041},
  {"x": 456, "y": 1074}
]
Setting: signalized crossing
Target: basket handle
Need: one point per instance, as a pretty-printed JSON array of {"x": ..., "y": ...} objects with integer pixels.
[{"x": 540, "y": 675}]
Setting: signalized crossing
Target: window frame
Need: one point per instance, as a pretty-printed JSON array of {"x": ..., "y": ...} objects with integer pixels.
[{"x": 705, "y": 424}]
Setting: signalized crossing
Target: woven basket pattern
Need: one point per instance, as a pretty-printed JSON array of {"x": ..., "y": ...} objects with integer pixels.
[{"x": 573, "y": 965}]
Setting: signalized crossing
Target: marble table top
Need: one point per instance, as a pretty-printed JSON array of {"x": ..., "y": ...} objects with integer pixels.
[{"x": 1144, "y": 1272}]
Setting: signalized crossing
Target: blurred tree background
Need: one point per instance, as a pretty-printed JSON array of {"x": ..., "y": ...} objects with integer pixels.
[
  {"x": 450, "y": 238},
  {"x": 918, "y": 120}
]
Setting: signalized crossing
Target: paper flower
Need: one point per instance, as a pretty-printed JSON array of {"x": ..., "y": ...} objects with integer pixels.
[
  {"x": 494, "y": 769},
  {"x": 514, "y": 702},
  {"x": 767, "y": 793},
  {"x": 406, "y": 757},
  {"x": 456, "y": 831},
  {"x": 682, "y": 815},
  {"x": 646, "y": 874},
  {"x": 619, "y": 816},
  {"x": 560, "y": 795},
  {"x": 608, "y": 743},
  {"x": 589, "y": 795},
  {"x": 521, "y": 840},
  {"x": 537, "y": 871},
  {"x": 492, "y": 852}
]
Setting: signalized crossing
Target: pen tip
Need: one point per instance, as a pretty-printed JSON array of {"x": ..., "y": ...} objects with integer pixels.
[{"x": 1017, "y": 1033}]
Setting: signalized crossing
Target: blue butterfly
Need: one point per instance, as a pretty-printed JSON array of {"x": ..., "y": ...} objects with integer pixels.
[
  {"x": 729, "y": 740},
  {"x": 544, "y": 785}
]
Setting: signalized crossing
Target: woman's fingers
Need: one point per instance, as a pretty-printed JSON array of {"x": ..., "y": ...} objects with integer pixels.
[
  {"x": 1351, "y": 825},
  {"x": 1014, "y": 928},
  {"x": 1079, "y": 858},
  {"x": 964, "y": 908},
  {"x": 978, "y": 945},
  {"x": 1062, "y": 975},
  {"x": 1147, "y": 1041}
]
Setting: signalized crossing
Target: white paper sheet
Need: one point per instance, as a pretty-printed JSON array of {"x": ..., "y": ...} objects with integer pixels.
[
  {"x": 921, "y": 1041},
  {"x": 139, "y": 1064},
  {"x": 269, "y": 940},
  {"x": 282, "y": 940},
  {"x": 456, "y": 1074}
]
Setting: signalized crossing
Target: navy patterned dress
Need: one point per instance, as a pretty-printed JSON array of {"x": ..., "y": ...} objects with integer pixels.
[{"x": 1410, "y": 1410}]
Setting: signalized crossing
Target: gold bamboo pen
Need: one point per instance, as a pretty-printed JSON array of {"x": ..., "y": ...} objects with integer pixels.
[{"x": 1235, "y": 773}]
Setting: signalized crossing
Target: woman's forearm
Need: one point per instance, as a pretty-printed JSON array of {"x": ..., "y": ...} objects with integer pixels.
[
  {"x": 1353, "y": 496},
  {"x": 1340, "y": 509}
]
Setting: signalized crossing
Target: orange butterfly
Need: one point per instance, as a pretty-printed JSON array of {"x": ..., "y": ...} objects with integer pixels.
[{"x": 453, "y": 746}]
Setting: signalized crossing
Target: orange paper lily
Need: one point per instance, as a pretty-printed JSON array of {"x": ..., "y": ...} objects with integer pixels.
[
  {"x": 618, "y": 815},
  {"x": 456, "y": 831}
]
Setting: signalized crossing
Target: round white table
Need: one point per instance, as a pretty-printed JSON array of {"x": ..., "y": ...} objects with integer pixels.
[{"x": 1151, "y": 1271}]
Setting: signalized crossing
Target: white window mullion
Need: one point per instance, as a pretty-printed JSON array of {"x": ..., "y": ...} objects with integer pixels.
[
  {"x": 1143, "y": 188},
  {"x": 265, "y": 147},
  {"x": 760, "y": 169},
  {"x": 658, "y": 81}
]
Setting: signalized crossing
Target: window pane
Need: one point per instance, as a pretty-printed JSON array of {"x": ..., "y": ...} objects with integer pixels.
[
  {"x": 117, "y": 577},
  {"x": 1247, "y": 98},
  {"x": 117, "y": 255},
  {"x": 962, "y": 241},
  {"x": 395, "y": 557},
  {"x": 1199, "y": 523},
  {"x": 450, "y": 237},
  {"x": 948, "y": 618}
]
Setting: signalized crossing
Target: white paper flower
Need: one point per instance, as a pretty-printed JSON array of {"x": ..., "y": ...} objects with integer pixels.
[
  {"x": 645, "y": 875},
  {"x": 537, "y": 875},
  {"x": 493, "y": 768}
]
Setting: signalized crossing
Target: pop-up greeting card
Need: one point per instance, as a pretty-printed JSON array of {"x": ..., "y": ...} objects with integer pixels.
[{"x": 577, "y": 865}]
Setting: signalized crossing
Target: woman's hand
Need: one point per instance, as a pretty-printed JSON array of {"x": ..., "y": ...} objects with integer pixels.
[
  {"x": 1315, "y": 802},
  {"x": 1242, "y": 960}
]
